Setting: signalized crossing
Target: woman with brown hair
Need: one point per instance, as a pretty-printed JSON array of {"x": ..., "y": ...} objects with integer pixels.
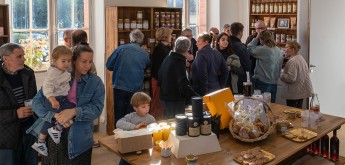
[
  {"x": 295, "y": 77},
  {"x": 162, "y": 50},
  {"x": 269, "y": 63}
]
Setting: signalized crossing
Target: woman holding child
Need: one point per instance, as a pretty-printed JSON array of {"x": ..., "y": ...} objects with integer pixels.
[{"x": 87, "y": 90}]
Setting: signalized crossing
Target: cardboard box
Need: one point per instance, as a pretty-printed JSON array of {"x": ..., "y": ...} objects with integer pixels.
[
  {"x": 185, "y": 145},
  {"x": 217, "y": 103},
  {"x": 134, "y": 141},
  {"x": 132, "y": 144}
]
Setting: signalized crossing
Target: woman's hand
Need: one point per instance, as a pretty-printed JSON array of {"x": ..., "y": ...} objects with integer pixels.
[
  {"x": 67, "y": 124},
  {"x": 66, "y": 115}
]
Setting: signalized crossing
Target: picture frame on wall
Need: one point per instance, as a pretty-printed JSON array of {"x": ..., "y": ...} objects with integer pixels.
[{"x": 283, "y": 23}]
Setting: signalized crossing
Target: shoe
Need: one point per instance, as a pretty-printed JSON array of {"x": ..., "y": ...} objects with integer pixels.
[
  {"x": 95, "y": 144},
  {"x": 40, "y": 148},
  {"x": 55, "y": 134}
]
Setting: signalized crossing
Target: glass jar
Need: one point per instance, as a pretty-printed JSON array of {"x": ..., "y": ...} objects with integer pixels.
[
  {"x": 120, "y": 24},
  {"x": 277, "y": 37},
  {"x": 139, "y": 15},
  {"x": 127, "y": 24},
  {"x": 139, "y": 24},
  {"x": 146, "y": 24},
  {"x": 133, "y": 24},
  {"x": 283, "y": 38}
]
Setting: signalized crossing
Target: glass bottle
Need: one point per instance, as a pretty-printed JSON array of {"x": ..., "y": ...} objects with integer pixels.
[
  {"x": 280, "y": 7},
  {"x": 314, "y": 103},
  {"x": 262, "y": 7},
  {"x": 257, "y": 7},
  {"x": 316, "y": 147},
  {"x": 325, "y": 146},
  {"x": 284, "y": 7},
  {"x": 275, "y": 8},
  {"x": 289, "y": 7},
  {"x": 267, "y": 7},
  {"x": 271, "y": 6},
  {"x": 253, "y": 7},
  {"x": 309, "y": 148},
  {"x": 334, "y": 152},
  {"x": 294, "y": 7}
]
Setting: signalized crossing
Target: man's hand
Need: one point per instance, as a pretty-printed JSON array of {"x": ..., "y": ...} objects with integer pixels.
[{"x": 24, "y": 112}]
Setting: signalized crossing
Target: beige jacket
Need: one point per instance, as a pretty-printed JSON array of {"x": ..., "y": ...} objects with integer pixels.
[
  {"x": 56, "y": 82},
  {"x": 296, "y": 80}
]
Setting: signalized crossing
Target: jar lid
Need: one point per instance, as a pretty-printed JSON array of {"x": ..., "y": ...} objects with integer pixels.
[{"x": 191, "y": 158}]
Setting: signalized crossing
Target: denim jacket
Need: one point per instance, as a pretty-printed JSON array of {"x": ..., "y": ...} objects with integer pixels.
[
  {"x": 128, "y": 63},
  {"x": 90, "y": 103}
]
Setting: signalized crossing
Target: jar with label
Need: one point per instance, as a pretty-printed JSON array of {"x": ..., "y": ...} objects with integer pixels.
[
  {"x": 277, "y": 37},
  {"x": 167, "y": 16},
  {"x": 253, "y": 7},
  {"x": 284, "y": 7},
  {"x": 283, "y": 38},
  {"x": 289, "y": 7},
  {"x": 146, "y": 24},
  {"x": 275, "y": 8},
  {"x": 193, "y": 126},
  {"x": 122, "y": 41},
  {"x": 157, "y": 25},
  {"x": 257, "y": 7},
  {"x": 127, "y": 23},
  {"x": 120, "y": 24},
  {"x": 162, "y": 16},
  {"x": 262, "y": 7},
  {"x": 133, "y": 24},
  {"x": 139, "y": 25},
  {"x": 162, "y": 24},
  {"x": 280, "y": 7},
  {"x": 167, "y": 23},
  {"x": 288, "y": 38},
  {"x": 294, "y": 7},
  {"x": 177, "y": 25},
  {"x": 267, "y": 8},
  {"x": 271, "y": 6},
  {"x": 282, "y": 125},
  {"x": 139, "y": 15},
  {"x": 205, "y": 125},
  {"x": 294, "y": 38}
]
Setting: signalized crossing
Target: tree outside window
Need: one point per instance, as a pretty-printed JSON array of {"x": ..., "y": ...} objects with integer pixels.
[{"x": 31, "y": 26}]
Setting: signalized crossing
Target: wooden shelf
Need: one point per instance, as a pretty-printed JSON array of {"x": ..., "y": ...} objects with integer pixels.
[
  {"x": 4, "y": 23},
  {"x": 269, "y": 14},
  {"x": 4, "y": 36},
  {"x": 128, "y": 31}
]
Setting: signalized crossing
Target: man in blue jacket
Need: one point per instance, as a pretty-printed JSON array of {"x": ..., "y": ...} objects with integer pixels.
[
  {"x": 209, "y": 70},
  {"x": 128, "y": 63}
]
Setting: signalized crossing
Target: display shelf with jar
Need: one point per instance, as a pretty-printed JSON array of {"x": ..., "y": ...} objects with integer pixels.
[
  {"x": 279, "y": 16},
  {"x": 4, "y": 24},
  {"x": 120, "y": 21}
]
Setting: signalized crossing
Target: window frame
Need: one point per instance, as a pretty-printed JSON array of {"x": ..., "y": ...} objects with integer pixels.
[{"x": 52, "y": 29}]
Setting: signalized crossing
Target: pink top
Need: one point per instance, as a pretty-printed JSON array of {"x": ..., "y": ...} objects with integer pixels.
[{"x": 72, "y": 93}]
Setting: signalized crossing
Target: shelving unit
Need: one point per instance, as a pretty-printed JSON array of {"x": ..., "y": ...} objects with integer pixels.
[
  {"x": 116, "y": 33},
  {"x": 280, "y": 10},
  {"x": 4, "y": 24}
]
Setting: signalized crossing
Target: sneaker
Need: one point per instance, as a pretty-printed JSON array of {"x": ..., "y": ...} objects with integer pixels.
[
  {"x": 55, "y": 134},
  {"x": 40, "y": 148}
]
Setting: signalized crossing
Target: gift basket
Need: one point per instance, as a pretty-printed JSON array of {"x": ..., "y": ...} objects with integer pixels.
[{"x": 253, "y": 119}]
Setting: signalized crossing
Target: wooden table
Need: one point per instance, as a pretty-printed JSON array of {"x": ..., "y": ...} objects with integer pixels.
[{"x": 282, "y": 148}]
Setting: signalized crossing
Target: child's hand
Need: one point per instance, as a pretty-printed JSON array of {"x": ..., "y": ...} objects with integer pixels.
[
  {"x": 55, "y": 104},
  {"x": 140, "y": 125}
]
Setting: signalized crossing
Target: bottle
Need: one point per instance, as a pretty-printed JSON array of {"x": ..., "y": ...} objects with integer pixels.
[
  {"x": 253, "y": 7},
  {"x": 325, "y": 146},
  {"x": 294, "y": 7},
  {"x": 275, "y": 8},
  {"x": 271, "y": 7},
  {"x": 316, "y": 147},
  {"x": 247, "y": 86},
  {"x": 289, "y": 7},
  {"x": 284, "y": 7},
  {"x": 267, "y": 7},
  {"x": 334, "y": 152},
  {"x": 314, "y": 103},
  {"x": 262, "y": 7},
  {"x": 257, "y": 7},
  {"x": 280, "y": 7}
]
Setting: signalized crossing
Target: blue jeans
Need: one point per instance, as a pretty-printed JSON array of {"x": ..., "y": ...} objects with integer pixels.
[
  {"x": 23, "y": 154},
  {"x": 265, "y": 87},
  {"x": 172, "y": 108},
  {"x": 64, "y": 104},
  {"x": 122, "y": 104}
]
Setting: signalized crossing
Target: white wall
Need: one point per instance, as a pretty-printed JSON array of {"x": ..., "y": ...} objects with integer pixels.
[{"x": 327, "y": 52}]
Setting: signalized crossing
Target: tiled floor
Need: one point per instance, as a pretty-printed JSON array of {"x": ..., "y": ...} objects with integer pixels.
[{"x": 102, "y": 156}]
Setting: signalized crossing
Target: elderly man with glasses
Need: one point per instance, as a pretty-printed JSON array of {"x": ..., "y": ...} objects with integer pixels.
[{"x": 17, "y": 84}]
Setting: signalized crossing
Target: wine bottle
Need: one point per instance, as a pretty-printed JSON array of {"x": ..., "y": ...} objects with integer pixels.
[
  {"x": 334, "y": 152},
  {"x": 316, "y": 147},
  {"x": 325, "y": 146}
]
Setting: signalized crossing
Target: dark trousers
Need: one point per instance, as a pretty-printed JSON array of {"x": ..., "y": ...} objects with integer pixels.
[
  {"x": 295, "y": 103},
  {"x": 64, "y": 104},
  {"x": 24, "y": 154},
  {"x": 122, "y": 104},
  {"x": 171, "y": 108},
  {"x": 265, "y": 87}
]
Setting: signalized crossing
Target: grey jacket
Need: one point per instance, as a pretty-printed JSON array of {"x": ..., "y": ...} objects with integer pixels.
[
  {"x": 131, "y": 120},
  {"x": 296, "y": 79}
]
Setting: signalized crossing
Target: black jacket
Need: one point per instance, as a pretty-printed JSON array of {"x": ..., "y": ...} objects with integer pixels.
[
  {"x": 160, "y": 52},
  {"x": 9, "y": 122},
  {"x": 172, "y": 79}
]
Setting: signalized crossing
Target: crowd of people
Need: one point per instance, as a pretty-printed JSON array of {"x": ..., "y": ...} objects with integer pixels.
[{"x": 59, "y": 123}]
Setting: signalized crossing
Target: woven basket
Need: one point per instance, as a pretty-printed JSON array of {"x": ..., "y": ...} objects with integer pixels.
[{"x": 271, "y": 120}]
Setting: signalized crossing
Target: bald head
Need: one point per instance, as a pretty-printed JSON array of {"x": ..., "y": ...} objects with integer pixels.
[{"x": 78, "y": 36}]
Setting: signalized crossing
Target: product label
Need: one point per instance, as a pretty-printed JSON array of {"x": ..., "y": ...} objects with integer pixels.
[
  {"x": 206, "y": 129},
  {"x": 194, "y": 131}
]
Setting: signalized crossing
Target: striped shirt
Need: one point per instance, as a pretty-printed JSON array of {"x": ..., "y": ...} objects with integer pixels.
[{"x": 17, "y": 87}]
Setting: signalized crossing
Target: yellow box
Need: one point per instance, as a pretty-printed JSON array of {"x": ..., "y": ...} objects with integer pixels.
[{"x": 217, "y": 104}]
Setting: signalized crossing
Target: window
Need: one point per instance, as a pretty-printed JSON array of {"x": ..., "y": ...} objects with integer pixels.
[
  {"x": 190, "y": 13},
  {"x": 39, "y": 31}
]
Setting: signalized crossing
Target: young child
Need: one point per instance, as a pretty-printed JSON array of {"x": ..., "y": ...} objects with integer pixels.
[
  {"x": 55, "y": 89},
  {"x": 141, "y": 117}
]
